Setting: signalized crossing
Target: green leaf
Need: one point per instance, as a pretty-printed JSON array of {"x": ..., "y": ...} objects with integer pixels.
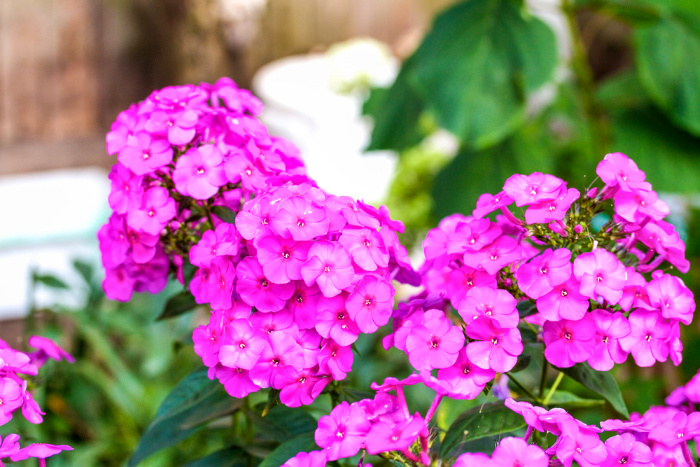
[
  {"x": 86, "y": 271},
  {"x": 49, "y": 281},
  {"x": 569, "y": 401},
  {"x": 526, "y": 308},
  {"x": 600, "y": 382},
  {"x": 193, "y": 402},
  {"x": 289, "y": 449},
  {"x": 224, "y": 213},
  {"x": 667, "y": 60},
  {"x": 396, "y": 113},
  {"x": 354, "y": 395},
  {"x": 232, "y": 456},
  {"x": 180, "y": 303},
  {"x": 522, "y": 363},
  {"x": 283, "y": 423},
  {"x": 484, "y": 421},
  {"x": 477, "y": 65}
]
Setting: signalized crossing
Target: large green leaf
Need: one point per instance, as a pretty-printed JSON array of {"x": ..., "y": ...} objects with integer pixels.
[
  {"x": 667, "y": 60},
  {"x": 232, "y": 456},
  {"x": 289, "y": 449},
  {"x": 569, "y": 401},
  {"x": 193, "y": 402},
  {"x": 180, "y": 303},
  {"x": 396, "y": 113},
  {"x": 483, "y": 421},
  {"x": 600, "y": 382},
  {"x": 477, "y": 65},
  {"x": 283, "y": 423}
]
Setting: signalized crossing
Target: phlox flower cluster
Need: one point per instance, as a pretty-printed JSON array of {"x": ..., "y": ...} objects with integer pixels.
[
  {"x": 182, "y": 152},
  {"x": 586, "y": 288},
  {"x": 15, "y": 367},
  {"x": 292, "y": 285}
]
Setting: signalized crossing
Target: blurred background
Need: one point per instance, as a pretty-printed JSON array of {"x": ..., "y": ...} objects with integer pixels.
[{"x": 425, "y": 133}]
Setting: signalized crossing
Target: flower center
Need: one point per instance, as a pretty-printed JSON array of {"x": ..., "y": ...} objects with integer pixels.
[
  {"x": 494, "y": 256},
  {"x": 368, "y": 302},
  {"x": 494, "y": 341},
  {"x": 605, "y": 339},
  {"x": 301, "y": 223},
  {"x": 543, "y": 269},
  {"x": 567, "y": 335},
  {"x": 285, "y": 254},
  {"x": 146, "y": 156},
  {"x": 327, "y": 269},
  {"x": 623, "y": 460},
  {"x": 340, "y": 316},
  {"x": 466, "y": 370},
  {"x": 275, "y": 361},
  {"x": 151, "y": 213},
  {"x": 564, "y": 292},
  {"x": 365, "y": 242},
  {"x": 264, "y": 283},
  {"x": 200, "y": 170},
  {"x": 300, "y": 298},
  {"x": 242, "y": 345},
  {"x": 434, "y": 342},
  {"x": 648, "y": 337}
]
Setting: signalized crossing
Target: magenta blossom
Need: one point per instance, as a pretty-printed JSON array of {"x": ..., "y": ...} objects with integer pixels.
[
  {"x": 544, "y": 272},
  {"x": 625, "y": 450},
  {"x": 384, "y": 436},
  {"x": 329, "y": 266},
  {"x": 529, "y": 189},
  {"x": 600, "y": 273},
  {"x": 568, "y": 342},
  {"x": 311, "y": 459},
  {"x": 370, "y": 303},
  {"x": 434, "y": 344},
  {"x": 342, "y": 433},
  {"x": 199, "y": 172},
  {"x": 491, "y": 303},
  {"x": 495, "y": 348},
  {"x": 516, "y": 452}
]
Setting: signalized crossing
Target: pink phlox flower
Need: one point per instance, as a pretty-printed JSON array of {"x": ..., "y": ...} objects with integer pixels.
[
  {"x": 300, "y": 219},
  {"x": 353, "y": 212},
  {"x": 529, "y": 189},
  {"x": 178, "y": 97},
  {"x": 675, "y": 345},
  {"x": 257, "y": 290},
  {"x": 473, "y": 235},
  {"x": 668, "y": 457},
  {"x": 460, "y": 281},
  {"x": 39, "y": 451},
  {"x": 299, "y": 387},
  {"x": 241, "y": 166},
  {"x": 178, "y": 127},
  {"x": 310, "y": 459},
  {"x": 677, "y": 398},
  {"x": 9, "y": 446},
  {"x": 46, "y": 349},
  {"x": 334, "y": 321},
  {"x": 384, "y": 407},
  {"x": 487, "y": 203},
  {"x": 623, "y": 426},
  {"x": 207, "y": 342},
  {"x": 310, "y": 341},
  {"x": 403, "y": 330},
  {"x": 384, "y": 437},
  {"x": 529, "y": 412},
  {"x": 370, "y": 304},
  {"x": 437, "y": 281},
  {"x": 156, "y": 210},
  {"x": 465, "y": 378},
  {"x": 493, "y": 257},
  {"x": 329, "y": 266},
  {"x": 469, "y": 459},
  {"x": 600, "y": 273},
  {"x": 30, "y": 409},
  {"x": 434, "y": 344},
  {"x": 634, "y": 294},
  {"x": 214, "y": 284},
  {"x": 563, "y": 302},
  {"x": 692, "y": 389},
  {"x": 335, "y": 359},
  {"x": 663, "y": 238},
  {"x": 151, "y": 277},
  {"x": 647, "y": 338},
  {"x": 13, "y": 361},
  {"x": 255, "y": 219},
  {"x": 223, "y": 241},
  {"x": 577, "y": 442},
  {"x": 436, "y": 242},
  {"x": 199, "y": 173},
  {"x": 638, "y": 205},
  {"x": 302, "y": 304},
  {"x": 126, "y": 189},
  {"x": 11, "y": 398},
  {"x": 394, "y": 384},
  {"x": 127, "y": 123},
  {"x": 516, "y": 452},
  {"x": 277, "y": 321},
  {"x": 342, "y": 433},
  {"x": 236, "y": 381},
  {"x": 541, "y": 274},
  {"x": 679, "y": 429},
  {"x": 492, "y": 303},
  {"x": 366, "y": 248},
  {"x": 568, "y": 342},
  {"x": 143, "y": 154},
  {"x": 495, "y": 348},
  {"x": 670, "y": 296},
  {"x": 552, "y": 209},
  {"x": 616, "y": 169},
  {"x": 282, "y": 350},
  {"x": 609, "y": 329},
  {"x": 282, "y": 258},
  {"x": 118, "y": 284},
  {"x": 235, "y": 99},
  {"x": 387, "y": 221},
  {"x": 624, "y": 449},
  {"x": 242, "y": 345}
]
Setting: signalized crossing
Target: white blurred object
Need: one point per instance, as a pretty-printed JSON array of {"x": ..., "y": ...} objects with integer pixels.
[
  {"x": 302, "y": 106},
  {"x": 49, "y": 219},
  {"x": 240, "y": 20},
  {"x": 360, "y": 63}
]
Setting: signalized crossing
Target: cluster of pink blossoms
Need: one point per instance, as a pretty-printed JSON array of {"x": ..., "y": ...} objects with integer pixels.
[
  {"x": 587, "y": 289},
  {"x": 14, "y": 396},
  {"x": 291, "y": 284},
  {"x": 182, "y": 152},
  {"x": 317, "y": 270}
]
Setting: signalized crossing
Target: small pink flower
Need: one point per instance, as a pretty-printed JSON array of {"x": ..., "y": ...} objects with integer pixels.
[
  {"x": 156, "y": 210},
  {"x": 143, "y": 155},
  {"x": 434, "y": 344},
  {"x": 370, "y": 304},
  {"x": 342, "y": 433},
  {"x": 529, "y": 189},
  {"x": 199, "y": 172},
  {"x": 366, "y": 248},
  {"x": 496, "y": 348},
  {"x": 610, "y": 328},
  {"x": 282, "y": 258},
  {"x": 625, "y": 450},
  {"x": 568, "y": 342},
  {"x": 242, "y": 346},
  {"x": 491, "y": 303},
  {"x": 647, "y": 338},
  {"x": 616, "y": 169},
  {"x": 384, "y": 436},
  {"x": 256, "y": 290},
  {"x": 300, "y": 219},
  {"x": 329, "y": 266},
  {"x": 541, "y": 274},
  {"x": 563, "y": 302},
  {"x": 516, "y": 451},
  {"x": 600, "y": 273}
]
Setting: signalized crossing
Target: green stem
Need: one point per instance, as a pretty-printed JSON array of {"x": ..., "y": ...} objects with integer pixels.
[
  {"x": 522, "y": 388},
  {"x": 543, "y": 378},
  {"x": 554, "y": 387},
  {"x": 584, "y": 77}
]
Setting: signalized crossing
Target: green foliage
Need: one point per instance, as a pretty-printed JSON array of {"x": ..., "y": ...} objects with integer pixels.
[
  {"x": 489, "y": 421},
  {"x": 600, "y": 382}
]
